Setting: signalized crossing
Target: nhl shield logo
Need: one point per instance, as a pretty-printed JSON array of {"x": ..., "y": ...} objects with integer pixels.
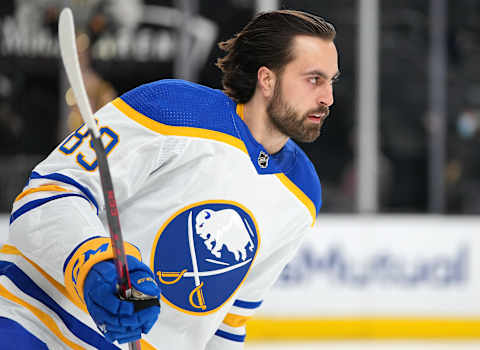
[
  {"x": 263, "y": 160},
  {"x": 203, "y": 253}
]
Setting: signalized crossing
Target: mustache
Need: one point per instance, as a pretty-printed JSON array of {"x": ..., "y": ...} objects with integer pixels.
[{"x": 320, "y": 110}]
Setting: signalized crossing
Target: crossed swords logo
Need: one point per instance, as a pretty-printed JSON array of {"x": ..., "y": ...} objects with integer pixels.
[{"x": 197, "y": 291}]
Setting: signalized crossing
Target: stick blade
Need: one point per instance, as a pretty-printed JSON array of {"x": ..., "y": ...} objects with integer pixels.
[{"x": 68, "y": 51}]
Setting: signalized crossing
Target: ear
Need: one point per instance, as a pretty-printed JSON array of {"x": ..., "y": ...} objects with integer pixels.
[{"x": 266, "y": 79}]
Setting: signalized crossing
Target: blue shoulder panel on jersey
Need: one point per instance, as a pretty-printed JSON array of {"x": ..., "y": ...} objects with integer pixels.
[
  {"x": 304, "y": 175},
  {"x": 182, "y": 103}
]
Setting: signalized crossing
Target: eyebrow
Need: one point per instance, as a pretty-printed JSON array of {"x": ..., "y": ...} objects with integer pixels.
[{"x": 323, "y": 74}]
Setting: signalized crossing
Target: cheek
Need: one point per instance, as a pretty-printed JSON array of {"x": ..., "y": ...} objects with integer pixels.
[
  {"x": 296, "y": 95},
  {"x": 301, "y": 99}
]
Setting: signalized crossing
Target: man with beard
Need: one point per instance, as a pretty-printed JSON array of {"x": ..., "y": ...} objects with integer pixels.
[{"x": 213, "y": 195}]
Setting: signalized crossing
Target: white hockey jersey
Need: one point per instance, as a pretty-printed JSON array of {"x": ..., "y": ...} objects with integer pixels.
[{"x": 200, "y": 201}]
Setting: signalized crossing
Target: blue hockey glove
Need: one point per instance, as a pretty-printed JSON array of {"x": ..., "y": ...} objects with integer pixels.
[{"x": 117, "y": 319}]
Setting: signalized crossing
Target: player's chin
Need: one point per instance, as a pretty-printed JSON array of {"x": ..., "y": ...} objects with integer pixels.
[{"x": 309, "y": 134}]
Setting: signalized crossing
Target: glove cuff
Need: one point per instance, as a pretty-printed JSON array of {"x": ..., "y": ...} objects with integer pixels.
[{"x": 84, "y": 257}]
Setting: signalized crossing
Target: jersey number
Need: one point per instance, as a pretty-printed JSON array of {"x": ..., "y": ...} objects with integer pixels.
[{"x": 75, "y": 140}]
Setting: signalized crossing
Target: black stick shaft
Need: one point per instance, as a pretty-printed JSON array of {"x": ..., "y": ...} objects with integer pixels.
[{"x": 113, "y": 220}]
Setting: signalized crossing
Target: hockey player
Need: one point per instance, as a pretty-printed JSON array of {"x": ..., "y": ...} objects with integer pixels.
[{"x": 214, "y": 198}]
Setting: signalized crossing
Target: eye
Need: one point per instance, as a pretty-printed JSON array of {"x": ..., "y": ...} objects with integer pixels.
[{"x": 314, "y": 80}]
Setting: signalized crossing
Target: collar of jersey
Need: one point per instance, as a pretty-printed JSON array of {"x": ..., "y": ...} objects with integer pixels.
[{"x": 280, "y": 162}]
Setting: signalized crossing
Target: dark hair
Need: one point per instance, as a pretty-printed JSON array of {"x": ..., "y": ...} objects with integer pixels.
[{"x": 265, "y": 41}]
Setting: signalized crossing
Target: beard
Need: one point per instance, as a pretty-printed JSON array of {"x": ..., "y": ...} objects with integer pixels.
[{"x": 288, "y": 121}]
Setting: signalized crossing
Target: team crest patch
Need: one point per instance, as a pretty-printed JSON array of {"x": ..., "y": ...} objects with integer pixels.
[{"x": 203, "y": 253}]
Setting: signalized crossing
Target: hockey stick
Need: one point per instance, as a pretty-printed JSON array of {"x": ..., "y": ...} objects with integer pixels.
[{"x": 68, "y": 50}]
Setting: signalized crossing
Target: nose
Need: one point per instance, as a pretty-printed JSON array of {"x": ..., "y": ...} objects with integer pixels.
[{"x": 326, "y": 95}]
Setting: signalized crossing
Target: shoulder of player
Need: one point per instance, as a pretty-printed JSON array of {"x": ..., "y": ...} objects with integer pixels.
[
  {"x": 304, "y": 176},
  {"x": 177, "y": 104}
]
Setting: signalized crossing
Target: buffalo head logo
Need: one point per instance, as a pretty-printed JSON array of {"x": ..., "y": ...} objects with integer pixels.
[{"x": 224, "y": 228}]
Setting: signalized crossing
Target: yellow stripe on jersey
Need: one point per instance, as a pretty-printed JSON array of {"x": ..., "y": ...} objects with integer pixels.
[
  {"x": 11, "y": 250},
  {"x": 87, "y": 255},
  {"x": 53, "y": 188},
  {"x": 241, "y": 110},
  {"x": 177, "y": 130},
  {"x": 146, "y": 345},
  {"x": 46, "y": 319},
  {"x": 300, "y": 195},
  {"x": 233, "y": 320}
]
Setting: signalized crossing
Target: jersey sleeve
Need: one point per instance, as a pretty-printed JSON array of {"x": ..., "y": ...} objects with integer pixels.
[{"x": 56, "y": 220}]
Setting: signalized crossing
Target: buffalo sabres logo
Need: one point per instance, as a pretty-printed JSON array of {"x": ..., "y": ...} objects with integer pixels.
[
  {"x": 203, "y": 254},
  {"x": 263, "y": 159}
]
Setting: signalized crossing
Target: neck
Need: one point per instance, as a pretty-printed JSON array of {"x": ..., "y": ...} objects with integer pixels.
[{"x": 260, "y": 126}]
